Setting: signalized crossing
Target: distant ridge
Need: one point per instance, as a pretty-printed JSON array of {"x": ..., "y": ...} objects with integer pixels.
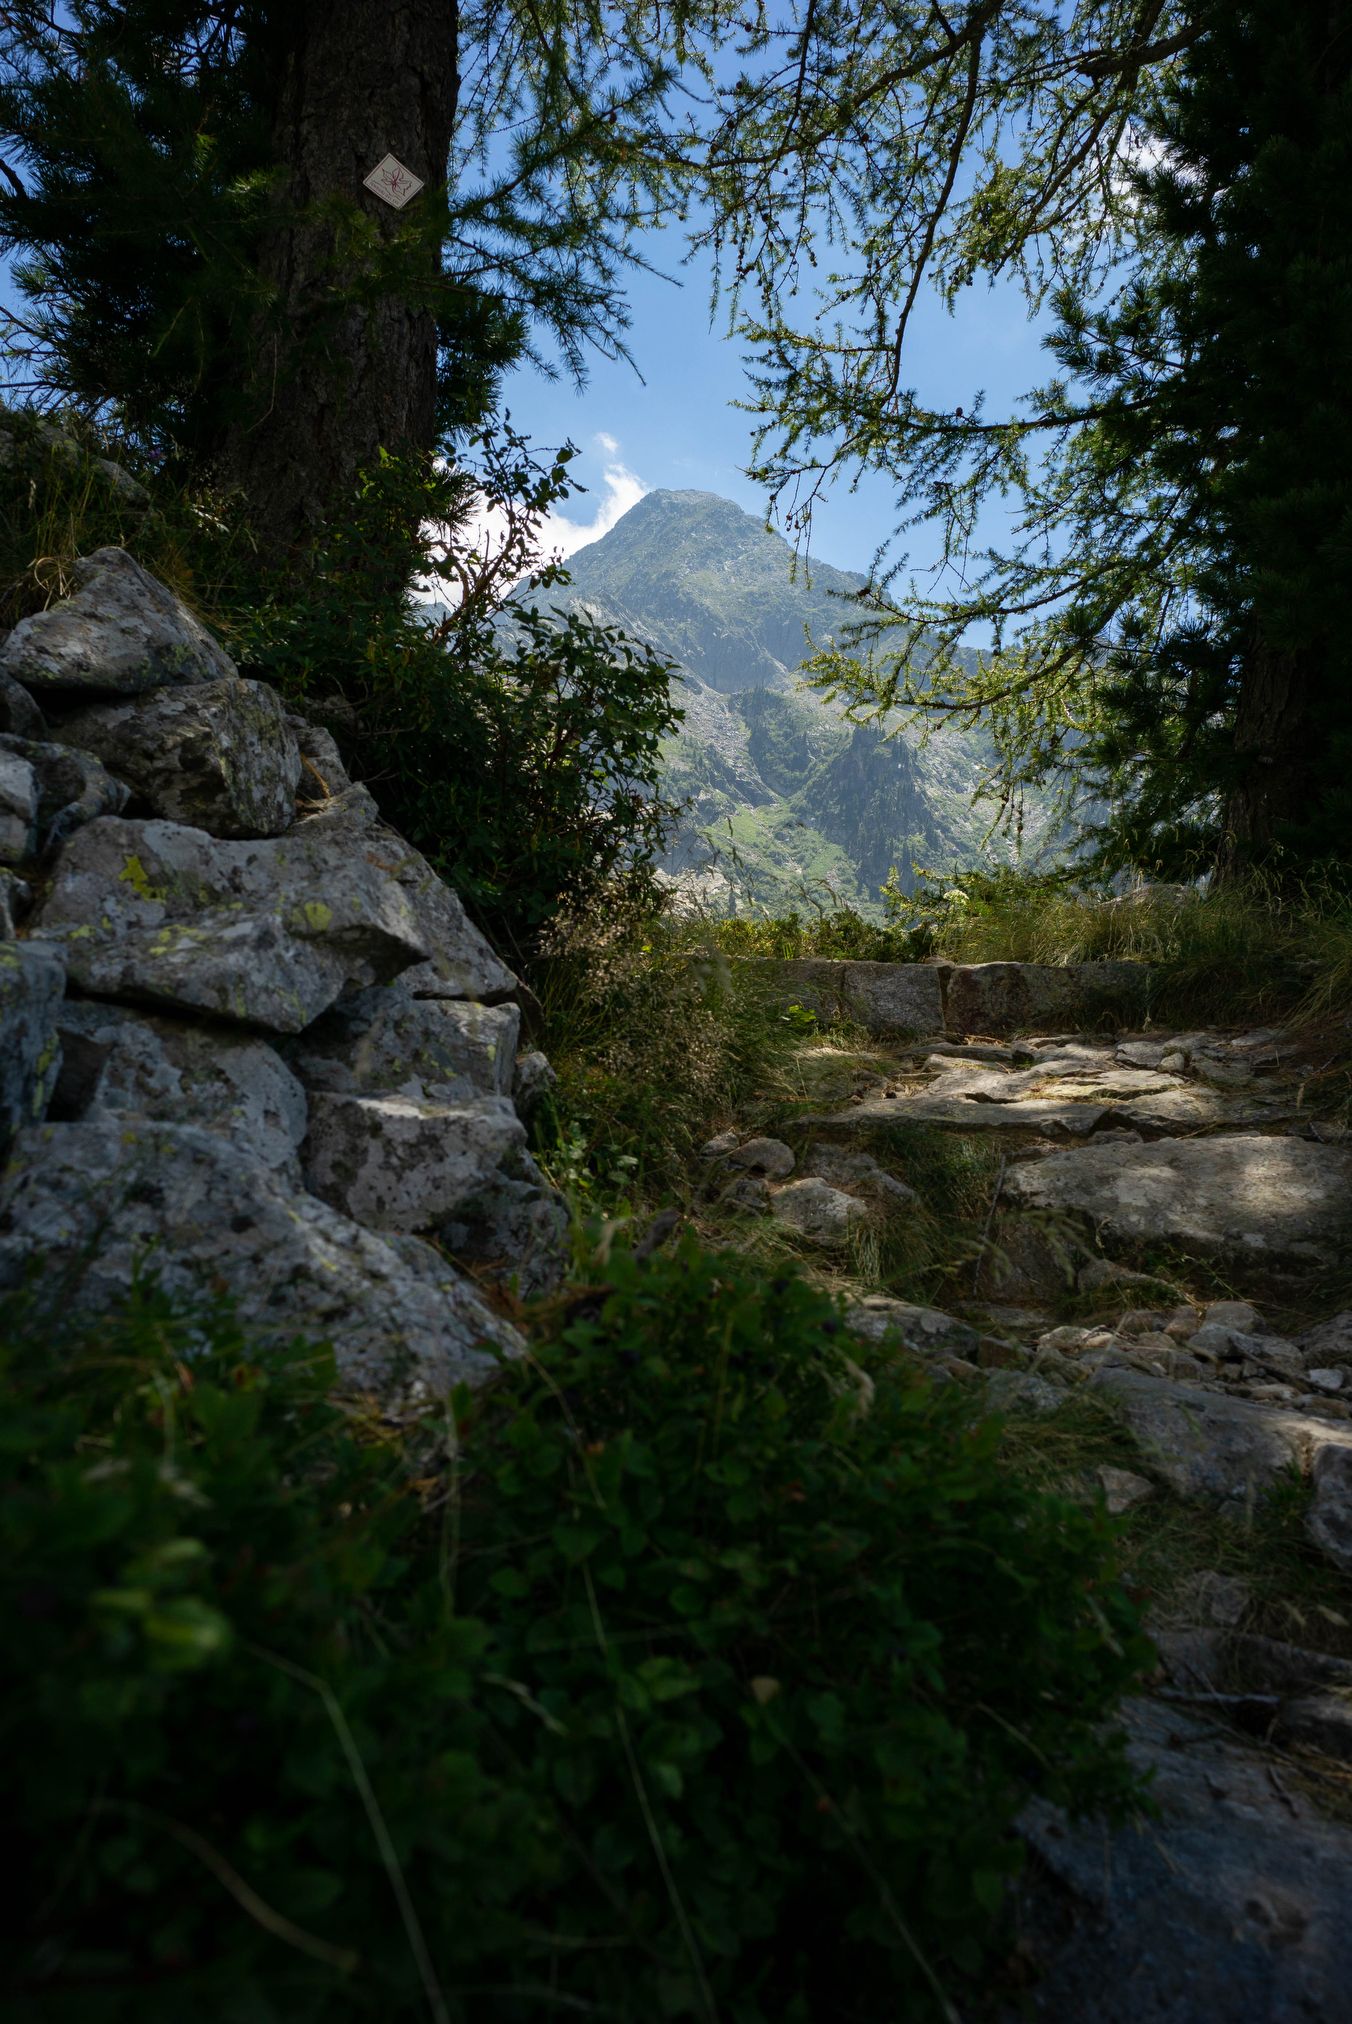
[{"x": 790, "y": 805}]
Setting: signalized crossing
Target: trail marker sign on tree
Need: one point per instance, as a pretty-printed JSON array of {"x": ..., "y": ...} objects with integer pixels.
[{"x": 392, "y": 182}]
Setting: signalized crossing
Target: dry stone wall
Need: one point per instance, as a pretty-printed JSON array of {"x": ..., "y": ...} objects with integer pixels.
[
  {"x": 251, "y": 1042},
  {"x": 896, "y": 1000}
]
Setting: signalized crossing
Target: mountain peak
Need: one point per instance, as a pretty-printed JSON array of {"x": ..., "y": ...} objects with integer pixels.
[{"x": 718, "y": 589}]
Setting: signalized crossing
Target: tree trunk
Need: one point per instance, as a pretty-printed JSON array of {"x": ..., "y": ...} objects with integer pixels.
[
  {"x": 1276, "y": 760},
  {"x": 347, "y": 365}
]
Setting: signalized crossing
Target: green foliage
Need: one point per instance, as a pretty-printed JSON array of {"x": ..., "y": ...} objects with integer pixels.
[
  {"x": 1167, "y": 606},
  {"x": 522, "y": 759},
  {"x": 655, "y": 1039},
  {"x": 57, "y": 503},
  {"x": 686, "y": 1688},
  {"x": 1224, "y": 721},
  {"x": 518, "y": 749},
  {"x": 147, "y": 135},
  {"x": 841, "y": 933}
]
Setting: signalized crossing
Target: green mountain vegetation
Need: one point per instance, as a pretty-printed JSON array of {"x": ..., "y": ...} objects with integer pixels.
[{"x": 785, "y": 798}]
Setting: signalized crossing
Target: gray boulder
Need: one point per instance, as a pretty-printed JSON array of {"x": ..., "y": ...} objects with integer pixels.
[
  {"x": 120, "y": 631},
  {"x": 403, "y": 1163},
  {"x": 16, "y": 898},
  {"x": 72, "y": 788},
  {"x": 31, "y": 983},
  {"x": 323, "y": 774},
  {"x": 1329, "y": 1519},
  {"x": 889, "y": 999},
  {"x": 924, "y": 1329},
  {"x": 102, "y": 1201},
  {"x": 893, "y": 999},
  {"x": 767, "y": 1156},
  {"x": 18, "y": 807},
  {"x": 120, "y": 1063},
  {"x": 1247, "y": 1200},
  {"x": 271, "y": 933},
  {"x": 386, "y": 1042},
  {"x": 514, "y": 1231},
  {"x": 1211, "y": 1446},
  {"x": 49, "y": 438},
  {"x": 19, "y": 714},
  {"x": 860, "y": 1174},
  {"x": 1330, "y": 1344},
  {"x": 217, "y": 755},
  {"x": 533, "y": 1081},
  {"x": 459, "y": 963},
  {"x": 818, "y": 1212},
  {"x": 1009, "y": 997}
]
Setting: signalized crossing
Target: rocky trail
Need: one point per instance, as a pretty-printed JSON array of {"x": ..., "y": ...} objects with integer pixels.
[
  {"x": 1180, "y": 1195},
  {"x": 252, "y": 1043}
]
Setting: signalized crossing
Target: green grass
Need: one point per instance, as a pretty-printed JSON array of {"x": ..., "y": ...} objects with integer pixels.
[{"x": 1256, "y": 949}]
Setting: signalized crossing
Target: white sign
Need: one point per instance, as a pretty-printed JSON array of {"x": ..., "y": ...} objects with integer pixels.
[{"x": 392, "y": 182}]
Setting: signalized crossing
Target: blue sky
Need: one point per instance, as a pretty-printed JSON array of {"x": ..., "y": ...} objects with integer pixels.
[{"x": 677, "y": 426}]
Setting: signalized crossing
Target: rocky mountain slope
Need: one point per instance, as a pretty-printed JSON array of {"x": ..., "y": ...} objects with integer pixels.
[{"x": 786, "y": 799}]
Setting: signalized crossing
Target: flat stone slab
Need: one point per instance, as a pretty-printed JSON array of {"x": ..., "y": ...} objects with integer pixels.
[
  {"x": 1069, "y": 1094},
  {"x": 100, "y": 1201},
  {"x": 1047, "y": 1119},
  {"x": 270, "y": 933},
  {"x": 217, "y": 755},
  {"x": 1229, "y": 1907},
  {"x": 1245, "y": 1199},
  {"x": 120, "y": 631}
]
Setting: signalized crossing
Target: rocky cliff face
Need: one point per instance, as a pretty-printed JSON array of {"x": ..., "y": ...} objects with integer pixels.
[
  {"x": 784, "y": 796},
  {"x": 251, "y": 1042}
]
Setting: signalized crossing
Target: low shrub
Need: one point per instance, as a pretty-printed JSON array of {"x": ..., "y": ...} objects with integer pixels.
[{"x": 681, "y": 1686}]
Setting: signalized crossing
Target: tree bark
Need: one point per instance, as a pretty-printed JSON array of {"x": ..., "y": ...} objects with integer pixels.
[
  {"x": 1276, "y": 756},
  {"x": 347, "y": 364}
]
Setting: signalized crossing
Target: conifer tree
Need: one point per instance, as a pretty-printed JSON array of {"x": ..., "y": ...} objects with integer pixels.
[
  {"x": 1228, "y": 722},
  {"x": 1171, "y": 618},
  {"x": 200, "y": 254}
]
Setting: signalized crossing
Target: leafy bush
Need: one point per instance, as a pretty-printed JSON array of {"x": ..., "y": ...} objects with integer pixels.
[
  {"x": 690, "y": 1689},
  {"x": 522, "y": 759}
]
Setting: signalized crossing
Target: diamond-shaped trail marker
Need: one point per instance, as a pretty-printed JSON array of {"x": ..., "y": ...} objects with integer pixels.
[{"x": 392, "y": 182}]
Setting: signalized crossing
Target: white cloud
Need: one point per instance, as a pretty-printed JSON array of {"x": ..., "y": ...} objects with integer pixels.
[
  {"x": 559, "y": 535},
  {"x": 621, "y": 489}
]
